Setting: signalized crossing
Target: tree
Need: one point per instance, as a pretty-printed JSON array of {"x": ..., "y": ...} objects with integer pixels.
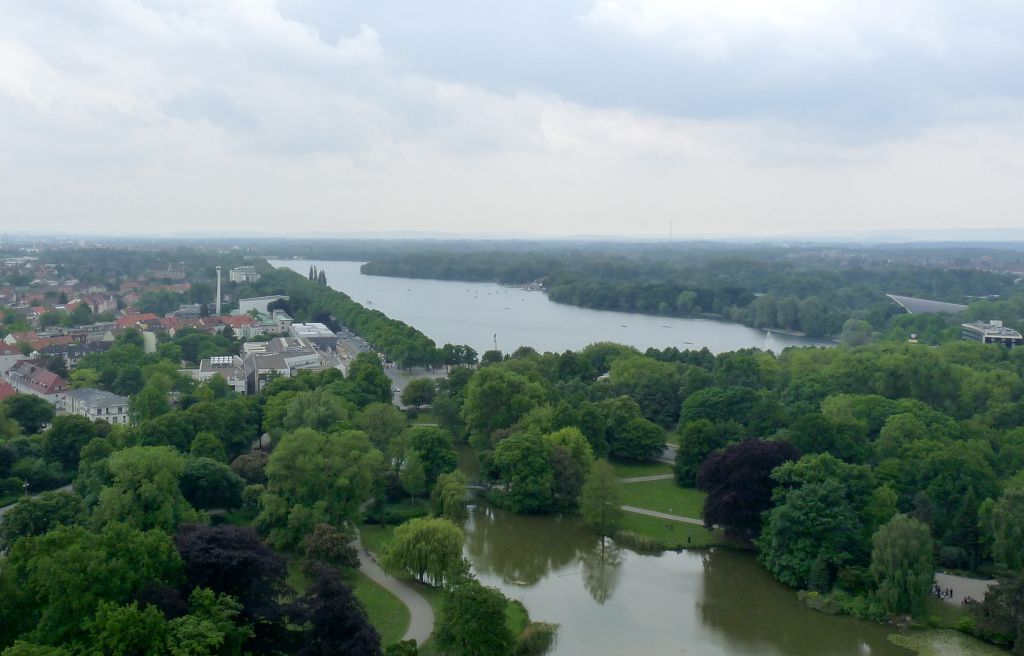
[
  {"x": 126, "y": 630},
  {"x": 144, "y": 492},
  {"x": 206, "y": 445},
  {"x": 429, "y": 548},
  {"x": 251, "y": 466},
  {"x": 496, "y": 398},
  {"x": 381, "y": 422},
  {"x": 472, "y": 622},
  {"x": 53, "y": 583},
  {"x": 313, "y": 478},
  {"x": 65, "y": 438},
  {"x": 413, "y": 476},
  {"x": 601, "y": 499},
  {"x": 206, "y": 484},
  {"x": 335, "y": 620},
  {"x": 152, "y": 401},
  {"x": 419, "y": 391},
  {"x": 901, "y": 563},
  {"x": 436, "y": 450},
  {"x": 738, "y": 482},
  {"x": 524, "y": 465},
  {"x": 1008, "y": 529},
  {"x": 449, "y": 496},
  {"x": 36, "y": 515},
  {"x": 697, "y": 439},
  {"x": 1000, "y": 616},
  {"x": 330, "y": 545},
  {"x": 370, "y": 381},
  {"x": 630, "y": 436},
  {"x": 31, "y": 412}
]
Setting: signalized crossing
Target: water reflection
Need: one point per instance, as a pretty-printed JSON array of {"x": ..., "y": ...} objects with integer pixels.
[{"x": 601, "y": 567}]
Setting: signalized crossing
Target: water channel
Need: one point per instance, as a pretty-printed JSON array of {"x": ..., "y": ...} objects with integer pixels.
[
  {"x": 480, "y": 314},
  {"x": 611, "y": 601}
]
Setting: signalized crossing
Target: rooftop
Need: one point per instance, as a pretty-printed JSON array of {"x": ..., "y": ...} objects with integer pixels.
[
  {"x": 993, "y": 329},
  {"x": 97, "y": 398},
  {"x": 925, "y": 306}
]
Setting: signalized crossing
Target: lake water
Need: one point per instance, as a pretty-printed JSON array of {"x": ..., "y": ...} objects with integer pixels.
[
  {"x": 480, "y": 314},
  {"x": 616, "y": 602}
]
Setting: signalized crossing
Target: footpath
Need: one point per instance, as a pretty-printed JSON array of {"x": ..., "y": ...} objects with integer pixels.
[{"x": 421, "y": 615}]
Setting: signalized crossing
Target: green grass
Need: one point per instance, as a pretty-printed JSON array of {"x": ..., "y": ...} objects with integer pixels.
[
  {"x": 516, "y": 617},
  {"x": 672, "y": 438},
  {"x": 941, "y": 642},
  {"x": 629, "y": 470},
  {"x": 386, "y": 612},
  {"x": 424, "y": 417},
  {"x": 669, "y": 534},
  {"x": 375, "y": 537},
  {"x": 664, "y": 496},
  {"x": 942, "y": 614}
]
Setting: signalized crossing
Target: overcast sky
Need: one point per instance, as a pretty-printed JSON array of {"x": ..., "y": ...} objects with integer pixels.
[{"x": 597, "y": 117}]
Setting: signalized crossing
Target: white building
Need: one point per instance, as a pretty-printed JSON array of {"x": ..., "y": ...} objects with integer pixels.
[
  {"x": 96, "y": 404},
  {"x": 316, "y": 334},
  {"x": 231, "y": 367},
  {"x": 282, "y": 356},
  {"x": 258, "y": 303},
  {"x": 243, "y": 274},
  {"x": 993, "y": 332}
]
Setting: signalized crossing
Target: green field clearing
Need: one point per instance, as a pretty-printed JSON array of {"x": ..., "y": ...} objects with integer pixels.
[{"x": 664, "y": 496}]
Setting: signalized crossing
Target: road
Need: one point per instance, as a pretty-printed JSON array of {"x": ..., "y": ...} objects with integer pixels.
[
  {"x": 421, "y": 615},
  {"x": 350, "y": 345},
  {"x": 5, "y": 509},
  {"x": 644, "y": 479},
  {"x": 962, "y": 587},
  {"x": 661, "y": 515}
]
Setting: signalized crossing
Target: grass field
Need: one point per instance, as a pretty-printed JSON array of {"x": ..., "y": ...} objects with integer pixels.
[
  {"x": 669, "y": 534},
  {"x": 940, "y": 642},
  {"x": 664, "y": 496},
  {"x": 641, "y": 469},
  {"x": 386, "y": 612},
  {"x": 424, "y": 417}
]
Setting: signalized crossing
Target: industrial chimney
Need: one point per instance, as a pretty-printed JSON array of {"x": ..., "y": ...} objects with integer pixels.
[{"x": 218, "y": 291}]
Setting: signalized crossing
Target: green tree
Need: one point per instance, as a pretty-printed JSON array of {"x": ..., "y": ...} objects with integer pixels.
[
  {"x": 901, "y": 563},
  {"x": 381, "y": 422},
  {"x": 144, "y": 492},
  {"x": 127, "y": 630},
  {"x": 524, "y": 465},
  {"x": 31, "y": 412},
  {"x": 497, "y": 398},
  {"x": 1008, "y": 529},
  {"x": 413, "y": 475},
  {"x": 697, "y": 440},
  {"x": 206, "y": 483},
  {"x": 206, "y": 445},
  {"x": 601, "y": 499},
  {"x": 630, "y": 436},
  {"x": 370, "y": 381},
  {"x": 449, "y": 496},
  {"x": 312, "y": 478},
  {"x": 472, "y": 622},
  {"x": 65, "y": 438},
  {"x": 419, "y": 391},
  {"x": 152, "y": 401},
  {"x": 429, "y": 548},
  {"x": 37, "y": 515},
  {"x": 436, "y": 450}
]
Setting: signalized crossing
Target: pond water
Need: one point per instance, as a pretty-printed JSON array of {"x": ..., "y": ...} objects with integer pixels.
[
  {"x": 482, "y": 314},
  {"x": 615, "y": 601}
]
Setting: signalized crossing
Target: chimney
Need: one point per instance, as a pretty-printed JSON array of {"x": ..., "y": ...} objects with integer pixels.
[{"x": 218, "y": 291}]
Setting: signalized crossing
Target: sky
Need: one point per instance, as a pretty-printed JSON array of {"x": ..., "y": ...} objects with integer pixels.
[{"x": 543, "y": 118}]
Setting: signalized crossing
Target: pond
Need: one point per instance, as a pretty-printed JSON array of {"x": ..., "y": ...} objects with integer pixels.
[{"x": 615, "y": 601}]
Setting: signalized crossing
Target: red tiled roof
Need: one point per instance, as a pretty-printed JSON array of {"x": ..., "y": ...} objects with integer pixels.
[
  {"x": 43, "y": 342},
  {"x": 237, "y": 322},
  {"x": 36, "y": 377},
  {"x": 6, "y": 390},
  {"x": 7, "y": 349},
  {"x": 130, "y": 320}
]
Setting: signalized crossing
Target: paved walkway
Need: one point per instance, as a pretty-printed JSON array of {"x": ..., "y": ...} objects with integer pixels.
[
  {"x": 421, "y": 615},
  {"x": 66, "y": 488},
  {"x": 962, "y": 587},
  {"x": 661, "y": 515},
  {"x": 644, "y": 479}
]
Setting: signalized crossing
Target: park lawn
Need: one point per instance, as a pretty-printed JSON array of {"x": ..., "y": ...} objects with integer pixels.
[
  {"x": 669, "y": 534},
  {"x": 944, "y": 642},
  {"x": 386, "y": 612},
  {"x": 632, "y": 469},
  {"x": 664, "y": 496},
  {"x": 425, "y": 417},
  {"x": 375, "y": 537},
  {"x": 672, "y": 438},
  {"x": 943, "y": 615}
]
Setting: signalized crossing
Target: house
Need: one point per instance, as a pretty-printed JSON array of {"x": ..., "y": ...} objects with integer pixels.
[
  {"x": 9, "y": 356},
  {"x": 136, "y": 320},
  {"x": 96, "y": 404},
  {"x": 6, "y": 390},
  {"x": 74, "y": 352},
  {"x": 29, "y": 377}
]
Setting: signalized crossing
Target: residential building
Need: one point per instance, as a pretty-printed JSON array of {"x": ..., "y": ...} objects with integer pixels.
[
  {"x": 6, "y": 390},
  {"x": 243, "y": 274},
  {"x": 74, "y": 352},
  {"x": 96, "y": 404},
  {"x": 316, "y": 334},
  {"x": 29, "y": 377},
  {"x": 993, "y": 332},
  {"x": 188, "y": 311},
  {"x": 9, "y": 356}
]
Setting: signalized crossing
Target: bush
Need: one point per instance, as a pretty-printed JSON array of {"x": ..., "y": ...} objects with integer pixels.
[{"x": 536, "y": 639}]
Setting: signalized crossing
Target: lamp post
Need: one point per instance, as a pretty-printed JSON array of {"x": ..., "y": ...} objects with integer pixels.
[{"x": 25, "y": 487}]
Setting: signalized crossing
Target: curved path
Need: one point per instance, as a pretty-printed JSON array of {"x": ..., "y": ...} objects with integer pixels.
[
  {"x": 66, "y": 488},
  {"x": 421, "y": 615},
  {"x": 661, "y": 515}
]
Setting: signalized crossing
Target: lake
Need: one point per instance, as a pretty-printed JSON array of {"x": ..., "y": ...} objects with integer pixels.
[{"x": 484, "y": 314}]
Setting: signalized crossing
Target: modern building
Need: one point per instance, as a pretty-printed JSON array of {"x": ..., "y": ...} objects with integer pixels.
[
  {"x": 231, "y": 367},
  {"x": 29, "y": 377},
  {"x": 926, "y": 306},
  {"x": 188, "y": 311},
  {"x": 316, "y": 334},
  {"x": 243, "y": 274},
  {"x": 96, "y": 404},
  {"x": 281, "y": 356},
  {"x": 993, "y": 332},
  {"x": 258, "y": 303}
]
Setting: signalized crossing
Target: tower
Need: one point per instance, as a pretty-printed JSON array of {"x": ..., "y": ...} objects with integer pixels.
[{"x": 218, "y": 291}]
